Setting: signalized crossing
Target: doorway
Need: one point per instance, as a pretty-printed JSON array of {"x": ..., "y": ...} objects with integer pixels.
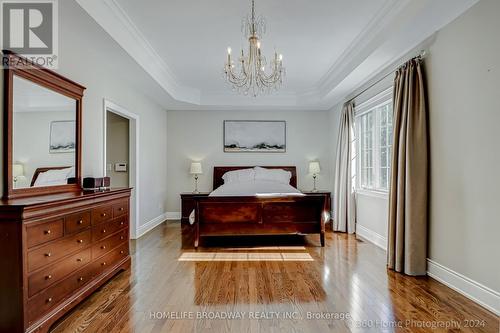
[
  {"x": 121, "y": 151},
  {"x": 117, "y": 149}
]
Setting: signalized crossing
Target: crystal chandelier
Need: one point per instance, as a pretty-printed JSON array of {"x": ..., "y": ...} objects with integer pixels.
[{"x": 248, "y": 75}]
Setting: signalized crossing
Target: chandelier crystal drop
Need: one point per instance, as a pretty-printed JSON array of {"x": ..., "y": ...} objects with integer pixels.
[{"x": 247, "y": 74}]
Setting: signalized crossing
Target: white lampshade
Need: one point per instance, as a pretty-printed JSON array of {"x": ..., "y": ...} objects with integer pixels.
[
  {"x": 196, "y": 168},
  {"x": 17, "y": 170},
  {"x": 314, "y": 168}
]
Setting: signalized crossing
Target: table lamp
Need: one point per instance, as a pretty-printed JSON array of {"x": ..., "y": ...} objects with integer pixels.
[
  {"x": 196, "y": 170},
  {"x": 314, "y": 170},
  {"x": 17, "y": 171}
]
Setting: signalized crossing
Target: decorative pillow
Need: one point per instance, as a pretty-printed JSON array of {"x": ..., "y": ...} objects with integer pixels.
[
  {"x": 238, "y": 176},
  {"x": 274, "y": 175}
]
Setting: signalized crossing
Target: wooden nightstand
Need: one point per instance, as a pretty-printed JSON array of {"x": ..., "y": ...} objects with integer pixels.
[
  {"x": 187, "y": 204},
  {"x": 328, "y": 196}
]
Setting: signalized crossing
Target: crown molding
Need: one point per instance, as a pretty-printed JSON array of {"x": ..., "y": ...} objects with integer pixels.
[
  {"x": 115, "y": 21},
  {"x": 361, "y": 47},
  {"x": 399, "y": 26},
  {"x": 410, "y": 28}
]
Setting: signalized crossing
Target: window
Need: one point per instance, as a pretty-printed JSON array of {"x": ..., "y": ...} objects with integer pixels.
[{"x": 374, "y": 143}]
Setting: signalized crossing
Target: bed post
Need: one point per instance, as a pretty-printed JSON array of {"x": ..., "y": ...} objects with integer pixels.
[
  {"x": 324, "y": 214},
  {"x": 197, "y": 224}
]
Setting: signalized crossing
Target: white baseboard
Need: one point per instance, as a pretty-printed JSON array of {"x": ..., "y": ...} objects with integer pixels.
[
  {"x": 143, "y": 229},
  {"x": 173, "y": 216},
  {"x": 371, "y": 236},
  {"x": 486, "y": 297}
]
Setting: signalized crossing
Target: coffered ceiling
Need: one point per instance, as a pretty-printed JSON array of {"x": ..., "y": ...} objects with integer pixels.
[{"x": 330, "y": 47}]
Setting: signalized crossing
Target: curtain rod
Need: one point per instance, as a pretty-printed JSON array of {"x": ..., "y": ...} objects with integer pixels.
[{"x": 419, "y": 57}]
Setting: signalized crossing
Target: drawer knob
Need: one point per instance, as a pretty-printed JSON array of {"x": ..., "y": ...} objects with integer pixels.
[
  {"x": 121, "y": 252},
  {"x": 103, "y": 231},
  {"x": 79, "y": 259},
  {"x": 103, "y": 247},
  {"x": 80, "y": 279},
  {"x": 120, "y": 209},
  {"x": 49, "y": 299},
  {"x": 103, "y": 214},
  {"x": 47, "y": 232},
  {"x": 103, "y": 264},
  {"x": 121, "y": 237},
  {"x": 80, "y": 221},
  {"x": 48, "y": 277},
  {"x": 48, "y": 254},
  {"x": 121, "y": 223},
  {"x": 80, "y": 241}
]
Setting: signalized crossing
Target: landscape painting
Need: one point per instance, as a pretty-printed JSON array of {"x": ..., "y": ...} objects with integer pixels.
[
  {"x": 62, "y": 137},
  {"x": 254, "y": 136}
]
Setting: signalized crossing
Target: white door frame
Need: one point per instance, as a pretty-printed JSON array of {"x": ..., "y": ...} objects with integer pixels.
[{"x": 134, "y": 153}]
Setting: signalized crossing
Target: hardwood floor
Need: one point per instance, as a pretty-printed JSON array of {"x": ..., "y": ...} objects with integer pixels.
[{"x": 346, "y": 286}]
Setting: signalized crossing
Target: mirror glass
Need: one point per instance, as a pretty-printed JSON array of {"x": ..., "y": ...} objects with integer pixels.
[{"x": 44, "y": 136}]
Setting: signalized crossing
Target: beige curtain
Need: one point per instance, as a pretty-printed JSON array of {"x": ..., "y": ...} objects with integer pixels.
[
  {"x": 344, "y": 210},
  {"x": 408, "y": 198}
]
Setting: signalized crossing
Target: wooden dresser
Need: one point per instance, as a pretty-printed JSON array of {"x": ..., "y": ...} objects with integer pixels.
[{"x": 55, "y": 251}]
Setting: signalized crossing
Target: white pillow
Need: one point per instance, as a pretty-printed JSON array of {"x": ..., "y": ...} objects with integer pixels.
[
  {"x": 238, "y": 176},
  {"x": 274, "y": 175},
  {"x": 54, "y": 177}
]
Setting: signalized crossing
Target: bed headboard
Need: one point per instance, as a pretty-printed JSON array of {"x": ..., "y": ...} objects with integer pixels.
[
  {"x": 220, "y": 171},
  {"x": 38, "y": 171}
]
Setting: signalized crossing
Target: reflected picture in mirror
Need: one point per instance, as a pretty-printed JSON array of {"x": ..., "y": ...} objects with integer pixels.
[{"x": 44, "y": 136}]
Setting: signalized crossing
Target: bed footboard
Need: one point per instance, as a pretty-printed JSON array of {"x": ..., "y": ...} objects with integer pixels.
[{"x": 219, "y": 216}]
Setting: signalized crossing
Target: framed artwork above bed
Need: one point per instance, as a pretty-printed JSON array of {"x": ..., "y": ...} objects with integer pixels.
[{"x": 254, "y": 136}]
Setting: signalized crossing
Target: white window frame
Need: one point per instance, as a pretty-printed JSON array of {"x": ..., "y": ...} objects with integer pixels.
[{"x": 379, "y": 100}]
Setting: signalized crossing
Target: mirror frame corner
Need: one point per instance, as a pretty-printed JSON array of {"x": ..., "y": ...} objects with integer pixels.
[{"x": 24, "y": 68}]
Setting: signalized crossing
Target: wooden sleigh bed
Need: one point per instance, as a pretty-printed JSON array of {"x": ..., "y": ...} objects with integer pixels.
[{"x": 257, "y": 215}]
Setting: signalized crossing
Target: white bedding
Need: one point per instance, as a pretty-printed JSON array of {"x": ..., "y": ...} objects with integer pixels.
[
  {"x": 54, "y": 177},
  {"x": 255, "y": 188},
  {"x": 259, "y": 188}
]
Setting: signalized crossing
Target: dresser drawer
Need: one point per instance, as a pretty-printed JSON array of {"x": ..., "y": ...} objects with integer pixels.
[
  {"x": 120, "y": 209},
  {"x": 41, "y": 233},
  {"x": 52, "y": 274},
  {"x": 102, "y": 214},
  {"x": 76, "y": 222},
  {"x": 104, "y": 246},
  {"x": 49, "y": 298},
  {"x": 110, "y": 259},
  {"x": 103, "y": 230},
  {"x": 56, "y": 250}
]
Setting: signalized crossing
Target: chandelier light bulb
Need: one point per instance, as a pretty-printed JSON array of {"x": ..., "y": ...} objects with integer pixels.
[{"x": 229, "y": 50}]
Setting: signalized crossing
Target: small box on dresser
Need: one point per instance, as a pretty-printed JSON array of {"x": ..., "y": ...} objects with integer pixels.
[{"x": 56, "y": 250}]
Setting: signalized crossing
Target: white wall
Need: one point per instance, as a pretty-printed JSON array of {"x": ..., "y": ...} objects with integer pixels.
[
  {"x": 87, "y": 55},
  {"x": 97, "y": 67},
  {"x": 198, "y": 135},
  {"x": 463, "y": 77}
]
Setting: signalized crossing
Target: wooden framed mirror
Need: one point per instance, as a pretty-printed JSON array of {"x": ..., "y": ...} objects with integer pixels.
[{"x": 42, "y": 130}]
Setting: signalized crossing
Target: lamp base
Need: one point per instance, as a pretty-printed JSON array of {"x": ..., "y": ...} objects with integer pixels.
[{"x": 314, "y": 190}]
